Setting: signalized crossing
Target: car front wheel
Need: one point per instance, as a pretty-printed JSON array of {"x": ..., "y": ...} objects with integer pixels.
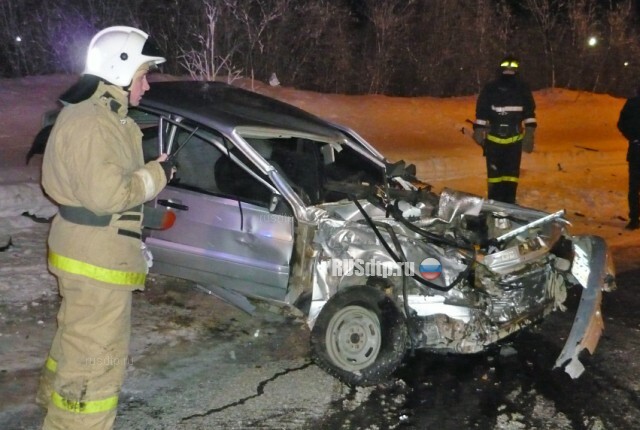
[{"x": 359, "y": 337}]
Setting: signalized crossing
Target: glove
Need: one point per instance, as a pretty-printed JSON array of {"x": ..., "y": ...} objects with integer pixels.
[
  {"x": 527, "y": 140},
  {"x": 169, "y": 168},
  {"x": 479, "y": 135}
]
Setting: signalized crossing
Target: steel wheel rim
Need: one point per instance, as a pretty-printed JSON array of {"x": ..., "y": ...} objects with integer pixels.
[{"x": 353, "y": 338}]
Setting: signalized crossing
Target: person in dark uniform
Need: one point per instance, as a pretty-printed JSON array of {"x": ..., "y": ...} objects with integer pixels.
[
  {"x": 629, "y": 126},
  {"x": 504, "y": 127}
]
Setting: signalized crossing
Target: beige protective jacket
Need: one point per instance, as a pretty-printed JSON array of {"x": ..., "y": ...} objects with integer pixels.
[{"x": 94, "y": 160}]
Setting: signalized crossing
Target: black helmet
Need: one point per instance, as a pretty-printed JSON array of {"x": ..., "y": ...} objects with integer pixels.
[{"x": 509, "y": 65}]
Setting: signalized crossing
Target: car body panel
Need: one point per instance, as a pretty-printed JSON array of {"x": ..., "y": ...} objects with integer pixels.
[
  {"x": 211, "y": 237},
  {"x": 226, "y": 108}
]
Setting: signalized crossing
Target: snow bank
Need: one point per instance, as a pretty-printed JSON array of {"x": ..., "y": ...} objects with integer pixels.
[{"x": 26, "y": 197}]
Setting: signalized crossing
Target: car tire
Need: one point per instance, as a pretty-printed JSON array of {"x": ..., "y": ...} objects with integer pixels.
[{"x": 360, "y": 336}]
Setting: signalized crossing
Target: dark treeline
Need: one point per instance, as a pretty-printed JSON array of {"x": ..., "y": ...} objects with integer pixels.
[{"x": 394, "y": 47}]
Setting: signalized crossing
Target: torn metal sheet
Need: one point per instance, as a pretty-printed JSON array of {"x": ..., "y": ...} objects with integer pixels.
[
  {"x": 588, "y": 324},
  {"x": 516, "y": 283}
]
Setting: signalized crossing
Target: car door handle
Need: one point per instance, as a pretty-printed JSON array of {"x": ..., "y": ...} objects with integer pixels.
[{"x": 174, "y": 205}]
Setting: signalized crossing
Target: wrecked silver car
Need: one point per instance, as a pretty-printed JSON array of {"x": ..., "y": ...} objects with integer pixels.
[{"x": 272, "y": 202}]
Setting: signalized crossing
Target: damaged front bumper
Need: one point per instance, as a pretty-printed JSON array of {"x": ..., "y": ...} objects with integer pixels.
[{"x": 593, "y": 268}]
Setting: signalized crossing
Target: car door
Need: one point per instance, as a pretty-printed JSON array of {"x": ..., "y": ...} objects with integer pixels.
[{"x": 224, "y": 233}]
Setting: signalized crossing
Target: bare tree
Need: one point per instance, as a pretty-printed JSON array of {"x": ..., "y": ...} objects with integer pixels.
[
  {"x": 621, "y": 46},
  {"x": 205, "y": 63},
  {"x": 579, "y": 56},
  {"x": 401, "y": 47},
  {"x": 388, "y": 18},
  {"x": 319, "y": 55},
  {"x": 458, "y": 52},
  {"x": 547, "y": 14},
  {"x": 490, "y": 29},
  {"x": 256, "y": 17}
]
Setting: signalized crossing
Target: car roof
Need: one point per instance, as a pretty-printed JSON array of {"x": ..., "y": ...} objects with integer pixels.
[{"x": 225, "y": 107}]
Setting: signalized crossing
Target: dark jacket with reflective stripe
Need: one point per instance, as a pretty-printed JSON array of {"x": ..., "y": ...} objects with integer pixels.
[
  {"x": 504, "y": 106},
  {"x": 94, "y": 160}
]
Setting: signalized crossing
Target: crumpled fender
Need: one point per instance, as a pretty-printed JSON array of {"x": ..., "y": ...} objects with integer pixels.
[{"x": 592, "y": 266}]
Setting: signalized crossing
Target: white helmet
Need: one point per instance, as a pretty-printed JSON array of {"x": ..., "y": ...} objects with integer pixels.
[{"x": 116, "y": 53}]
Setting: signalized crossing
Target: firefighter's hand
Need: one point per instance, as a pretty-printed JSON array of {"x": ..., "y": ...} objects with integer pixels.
[
  {"x": 479, "y": 135},
  {"x": 169, "y": 166},
  {"x": 527, "y": 140}
]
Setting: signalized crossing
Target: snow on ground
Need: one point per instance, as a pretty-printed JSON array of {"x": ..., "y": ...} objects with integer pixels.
[{"x": 578, "y": 163}]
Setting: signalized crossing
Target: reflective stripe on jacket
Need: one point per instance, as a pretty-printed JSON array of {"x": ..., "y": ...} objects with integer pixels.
[
  {"x": 94, "y": 160},
  {"x": 504, "y": 106}
]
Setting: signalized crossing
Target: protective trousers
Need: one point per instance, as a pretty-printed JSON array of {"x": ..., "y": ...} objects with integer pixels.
[
  {"x": 83, "y": 374},
  {"x": 503, "y": 170}
]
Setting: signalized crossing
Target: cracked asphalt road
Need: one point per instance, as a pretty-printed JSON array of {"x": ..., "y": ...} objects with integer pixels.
[{"x": 232, "y": 371}]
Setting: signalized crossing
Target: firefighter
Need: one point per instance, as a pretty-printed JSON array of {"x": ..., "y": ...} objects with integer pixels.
[
  {"x": 629, "y": 126},
  {"x": 93, "y": 169},
  {"x": 504, "y": 127}
]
